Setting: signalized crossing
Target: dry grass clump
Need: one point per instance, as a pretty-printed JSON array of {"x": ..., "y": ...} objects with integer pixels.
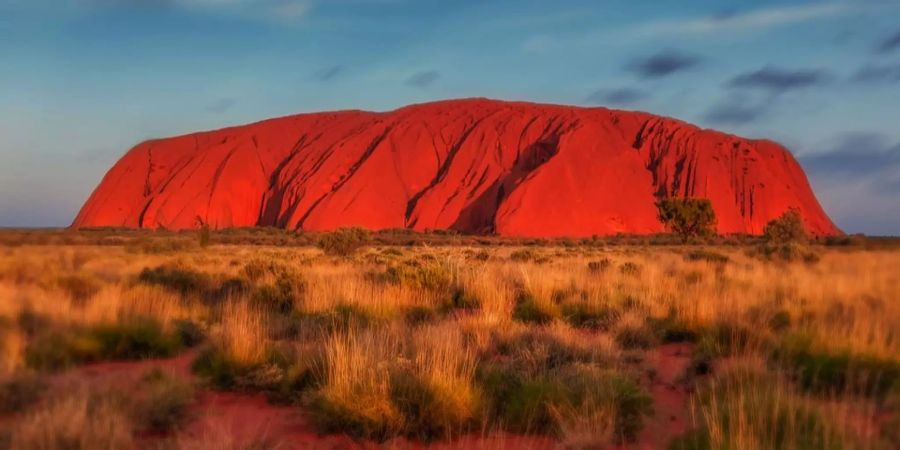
[
  {"x": 79, "y": 420},
  {"x": 747, "y": 408}
]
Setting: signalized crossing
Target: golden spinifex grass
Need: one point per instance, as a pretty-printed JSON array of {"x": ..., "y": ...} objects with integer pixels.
[{"x": 434, "y": 342}]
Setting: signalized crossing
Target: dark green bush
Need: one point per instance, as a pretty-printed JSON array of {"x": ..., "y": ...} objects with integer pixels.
[
  {"x": 635, "y": 336},
  {"x": 282, "y": 296},
  {"x": 630, "y": 268},
  {"x": 706, "y": 255},
  {"x": 131, "y": 339},
  {"x": 687, "y": 217},
  {"x": 600, "y": 266},
  {"x": 526, "y": 404},
  {"x": 670, "y": 329},
  {"x": 787, "y": 228},
  {"x": 79, "y": 286},
  {"x": 523, "y": 255},
  {"x": 581, "y": 314},
  {"x": 341, "y": 317},
  {"x": 462, "y": 299},
  {"x": 419, "y": 315},
  {"x": 344, "y": 242},
  {"x": 827, "y": 371},
  {"x": 430, "y": 275},
  {"x": 160, "y": 403},
  {"x": 763, "y": 417},
  {"x": 258, "y": 268},
  {"x": 529, "y": 309},
  {"x": 177, "y": 278}
]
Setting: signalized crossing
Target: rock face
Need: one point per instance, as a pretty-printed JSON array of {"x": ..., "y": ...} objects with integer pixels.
[{"x": 478, "y": 166}]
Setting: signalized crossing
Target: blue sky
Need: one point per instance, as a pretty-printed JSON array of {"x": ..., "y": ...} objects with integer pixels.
[{"x": 81, "y": 81}]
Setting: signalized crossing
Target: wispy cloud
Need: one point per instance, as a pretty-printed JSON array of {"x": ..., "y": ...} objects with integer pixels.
[
  {"x": 737, "y": 110},
  {"x": 758, "y": 19},
  {"x": 328, "y": 73},
  {"x": 423, "y": 79},
  {"x": 221, "y": 105},
  {"x": 889, "y": 43},
  {"x": 873, "y": 74},
  {"x": 616, "y": 97},
  {"x": 858, "y": 181},
  {"x": 270, "y": 9},
  {"x": 857, "y": 155},
  {"x": 778, "y": 80},
  {"x": 662, "y": 64}
]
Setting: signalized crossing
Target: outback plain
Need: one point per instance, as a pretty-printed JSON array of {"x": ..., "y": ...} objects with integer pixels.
[{"x": 262, "y": 338}]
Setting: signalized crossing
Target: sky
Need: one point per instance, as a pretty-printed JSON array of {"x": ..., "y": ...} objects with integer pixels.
[{"x": 82, "y": 81}]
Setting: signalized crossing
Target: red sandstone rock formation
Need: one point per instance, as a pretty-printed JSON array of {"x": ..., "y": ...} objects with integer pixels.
[{"x": 478, "y": 166}]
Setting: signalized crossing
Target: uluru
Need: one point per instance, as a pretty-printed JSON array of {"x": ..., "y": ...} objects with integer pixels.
[{"x": 472, "y": 165}]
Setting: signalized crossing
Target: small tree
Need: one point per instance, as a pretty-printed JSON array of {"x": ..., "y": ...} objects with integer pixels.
[
  {"x": 687, "y": 217},
  {"x": 344, "y": 241},
  {"x": 786, "y": 229}
]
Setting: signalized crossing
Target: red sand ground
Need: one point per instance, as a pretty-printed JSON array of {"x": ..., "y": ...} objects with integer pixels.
[
  {"x": 243, "y": 418},
  {"x": 478, "y": 166},
  {"x": 240, "y": 418}
]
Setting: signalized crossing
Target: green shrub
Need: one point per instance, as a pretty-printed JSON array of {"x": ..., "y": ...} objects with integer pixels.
[
  {"x": 419, "y": 315},
  {"x": 430, "y": 411},
  {"x": 525, "y": 404},
  {"x": 342, "y": 317},
  {"x": 282, "y": 296},
  {"x": 523, "y": 255},
  {"x": 751, "y": 408},
  {"x": 188, "y": 332},
  {"x": 430, "y": 275},
  {"x": 630, "y": 268},
  {"x": 176, "y": 278},
  {"x": 135, "y": 339},
  {"x": 780, "y": 320},
  {"x": 581, "y": 314},
  {"x": 344, "y": 242},
  {"x": 635, "y": 336},
  {"x": 80, "y": 287},
  {"x": 708, "y": 256},
  {"x": 790, "y": 251},
  {"x": 462, "y": 299},
  {"x": 670, "y": 329},
  {"x": 538, "y": 351},
  {"x": 826, "y": 371},
  {"x": 597, "y": 267},
  {"x": 529, "y": 309},
  {"x": 258, "y": 268},
  {"x": 787, "y": 228},
  {"x": 160, "y": 402},
  {"x": 687, "y": 217},
  {"x": 212, "y": 365},
  {"x": 131, "y": 339}
]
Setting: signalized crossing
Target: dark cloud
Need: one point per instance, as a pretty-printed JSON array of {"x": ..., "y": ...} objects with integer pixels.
[
  {"x": 328, "y": 73},
  {"x": 736, "y": 110},
  {"x": 877, "y": 74},
  {"x": 622, "y": 96},
  {"x": 777, "y": 80},
  {"x": 423, "y": 79},
  {"x": 221, "y": 105},
  {"x": 663, "y": 64},
  {"x": 858, "y": 182},
  {"x": 855, "y": 154},
  {"x": 889, "y": 43}
]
